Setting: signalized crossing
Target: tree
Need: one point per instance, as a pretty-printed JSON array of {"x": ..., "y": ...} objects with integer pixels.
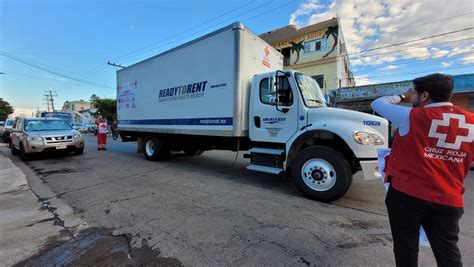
[
  {"x": 333, "y": 31},
  {"x": 66, "y": 106},
  {"x": 5, "y": 109},
  {"x": 297, "y": 47},
  {"x": 105, "y": 106}
]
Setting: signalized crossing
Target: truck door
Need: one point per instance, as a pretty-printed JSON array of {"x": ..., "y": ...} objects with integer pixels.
[{"x": 269, "y": 121}]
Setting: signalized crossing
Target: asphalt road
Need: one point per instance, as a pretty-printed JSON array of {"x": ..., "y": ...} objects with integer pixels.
[{"x": 203, "y": 211}]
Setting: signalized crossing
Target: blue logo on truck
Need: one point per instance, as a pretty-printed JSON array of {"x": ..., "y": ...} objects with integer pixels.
[{"x": 183, "y": 89}]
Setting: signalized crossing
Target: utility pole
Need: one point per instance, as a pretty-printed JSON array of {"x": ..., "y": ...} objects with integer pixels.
[
  {"x": 115, "y": 65},
  {"x": 50, "y": 99}
]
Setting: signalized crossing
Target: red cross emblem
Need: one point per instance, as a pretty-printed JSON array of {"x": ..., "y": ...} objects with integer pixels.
[
  {"x": 267, "y": 51},
  {"x": 452, "y": 131}
]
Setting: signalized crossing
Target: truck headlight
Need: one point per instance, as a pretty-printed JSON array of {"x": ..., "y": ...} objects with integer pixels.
[
  {"x": 35, "y": 138},
  {"x": 365, "y": 138},
  {"x": 77, "y": 136}
]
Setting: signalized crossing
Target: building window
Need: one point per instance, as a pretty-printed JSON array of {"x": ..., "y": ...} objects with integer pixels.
[
  {"x": 286, "y": 52},
  {"x": 320, "y": 80},
  {"x": 316, "y": 45},
  {"x": 470, "y": 102}
]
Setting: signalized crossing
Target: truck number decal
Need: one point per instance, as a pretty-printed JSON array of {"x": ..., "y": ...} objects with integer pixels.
[{"x": 372, "y": 123}]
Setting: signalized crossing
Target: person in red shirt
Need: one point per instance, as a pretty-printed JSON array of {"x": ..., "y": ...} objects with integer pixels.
[
  {"x": 430, "y": 157},
  {"x": 101, "y": 133}
]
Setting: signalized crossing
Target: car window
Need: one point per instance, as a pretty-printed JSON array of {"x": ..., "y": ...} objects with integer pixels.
[
  {"x": 46, "y": 125},
  {"x": 10, "y": 123}
]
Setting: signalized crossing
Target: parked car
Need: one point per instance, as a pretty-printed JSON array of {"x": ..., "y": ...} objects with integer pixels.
[
  {"x": 37, "y": 135},
  {"x": 5, "y": 130},
  {"x": 80, "y": 127}
]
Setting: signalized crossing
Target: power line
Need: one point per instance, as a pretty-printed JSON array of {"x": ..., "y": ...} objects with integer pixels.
[
  {"x": 210, "y": 27},
  {"x": 402, "y": 28},
  {"x": 410, "y": 41},
  {"x": 185, "y": 31},
  {"x": 411, "y": 73},
  {"x": 400, "y": 62},
  {"x": 103, "y": 67},
  {"x": 52, "y": 72},
  {"x": 50, "y": 99},
  {"x": 429, "y": 22},
  {"x": 410, "y": 48}
]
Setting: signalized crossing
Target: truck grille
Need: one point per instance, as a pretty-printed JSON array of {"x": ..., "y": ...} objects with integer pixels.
[{"x": 58, "y": 139}]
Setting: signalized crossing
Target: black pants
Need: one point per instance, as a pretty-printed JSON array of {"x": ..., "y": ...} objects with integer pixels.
[{"x": 441, "y": 224}]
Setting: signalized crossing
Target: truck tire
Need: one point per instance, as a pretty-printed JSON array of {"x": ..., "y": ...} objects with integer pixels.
[
  {"x": 23, "y": 155},
  {"x": 321, "y": 173},
  {"x": 155, "y": 149}
]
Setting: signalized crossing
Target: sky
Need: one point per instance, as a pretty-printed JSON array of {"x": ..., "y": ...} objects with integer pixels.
[{"x": 64, "y": 45}]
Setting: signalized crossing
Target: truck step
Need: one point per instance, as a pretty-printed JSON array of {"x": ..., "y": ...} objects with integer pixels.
[
  {"x": 266, "y": 169},
  {"x": 266, "y": 151}
]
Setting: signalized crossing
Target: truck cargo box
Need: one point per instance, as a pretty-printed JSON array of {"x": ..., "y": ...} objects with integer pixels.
[{"x": 198, "y": 88}]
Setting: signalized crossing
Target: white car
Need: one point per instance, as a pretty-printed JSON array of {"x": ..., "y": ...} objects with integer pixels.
[{"x": 6, "y": 129}]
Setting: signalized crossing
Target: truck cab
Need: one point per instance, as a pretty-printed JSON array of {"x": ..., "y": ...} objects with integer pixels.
[{"x": 292, "y": 130}]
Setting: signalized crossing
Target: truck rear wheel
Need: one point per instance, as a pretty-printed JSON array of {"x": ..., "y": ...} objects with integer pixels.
[
  {"x": 154, "y": 148},
  {"x": 321, "y": 173}
]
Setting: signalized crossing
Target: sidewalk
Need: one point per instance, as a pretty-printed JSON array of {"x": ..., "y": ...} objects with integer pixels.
[{"x": 27, "y": 223}]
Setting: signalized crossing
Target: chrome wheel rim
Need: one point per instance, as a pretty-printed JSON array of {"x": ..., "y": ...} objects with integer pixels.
[
  {"x": 318, "y": 174},
  {"x": 150, "y": 148}
]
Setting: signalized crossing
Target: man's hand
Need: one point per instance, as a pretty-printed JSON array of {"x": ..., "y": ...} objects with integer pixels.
[{"x": 410, "y": 96}]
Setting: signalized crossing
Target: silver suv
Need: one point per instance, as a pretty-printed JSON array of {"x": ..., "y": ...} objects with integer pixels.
[{"x": 35, "y": 135}]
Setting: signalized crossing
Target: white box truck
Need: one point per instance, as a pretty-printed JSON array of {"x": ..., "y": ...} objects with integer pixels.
[{"x": 227, "y": 90}]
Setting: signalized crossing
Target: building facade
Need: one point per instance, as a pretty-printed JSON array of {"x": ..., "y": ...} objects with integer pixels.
[
  {"x": 317, "y": 50},
  {"x": 359, "y": 97},
  {"x": 79, "y": 110}
]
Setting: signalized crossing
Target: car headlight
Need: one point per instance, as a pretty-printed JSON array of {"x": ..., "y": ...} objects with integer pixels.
[
  {"x": 365, "y": 138},
  {"x": 77, "y": 136},
  {"x": 35, "y": 138}
]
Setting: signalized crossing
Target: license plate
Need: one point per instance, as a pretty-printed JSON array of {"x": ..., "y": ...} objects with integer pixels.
[{"x": 61, "y": 147}]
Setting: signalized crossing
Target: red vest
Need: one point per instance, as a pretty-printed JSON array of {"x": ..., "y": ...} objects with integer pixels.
[{"x": 433, "y": 159}]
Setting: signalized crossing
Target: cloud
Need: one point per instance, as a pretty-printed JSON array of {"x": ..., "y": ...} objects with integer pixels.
[
  {"x": 378, "y": 23},
  {"x": 446, "y": 64},
  {"x": 468, "y": 59},
  {"x": 363, "y": 80},
  {"x": 390, "y": 67},
  {"x": 303, "y": 10},
  {"x": 437, "y": 53}
]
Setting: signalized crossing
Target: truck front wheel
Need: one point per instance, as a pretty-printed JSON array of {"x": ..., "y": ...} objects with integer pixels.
[
  {"x": 321, "y": 173},
  {"x": 154, "y": 148}
]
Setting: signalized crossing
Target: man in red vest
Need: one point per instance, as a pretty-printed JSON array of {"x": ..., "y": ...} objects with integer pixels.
[{"x": 431, "y": 154}]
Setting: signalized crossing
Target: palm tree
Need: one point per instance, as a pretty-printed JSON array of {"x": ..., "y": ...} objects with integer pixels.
[
  {"x": 297, "y": 47},
  {"x": 333, "y": 31}
]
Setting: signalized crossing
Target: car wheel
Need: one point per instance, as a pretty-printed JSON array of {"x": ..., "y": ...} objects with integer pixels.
[
  {"x": 13, "y": 149},
  {"x": 154, "y": 148},
  {"x": 23, "y": 155},
  {"x": 321, "y": 173},
  {"x": 79, "y": 151}
]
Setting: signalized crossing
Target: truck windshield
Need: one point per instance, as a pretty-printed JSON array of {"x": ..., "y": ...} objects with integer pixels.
[
  {"x": 46, "y": 125},
  {"x": 310, "y": 91}
]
